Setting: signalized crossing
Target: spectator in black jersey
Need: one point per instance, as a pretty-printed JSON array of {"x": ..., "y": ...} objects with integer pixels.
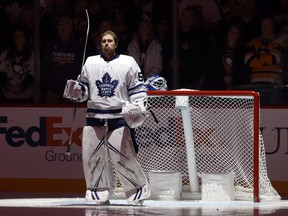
[
  {"x": 50, "y": 13},
  {"x": 231, "y": 59},
  {"x": 16, "y": 69},
  {"x": 62, "y": 60},
  {"x": 196, "y": 50}
]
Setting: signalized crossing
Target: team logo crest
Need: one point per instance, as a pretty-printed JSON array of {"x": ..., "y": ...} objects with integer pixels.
[{"x": 106, "y": 87}]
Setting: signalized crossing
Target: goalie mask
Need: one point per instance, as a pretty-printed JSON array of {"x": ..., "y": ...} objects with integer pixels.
[{"x": 156, "y": 82}]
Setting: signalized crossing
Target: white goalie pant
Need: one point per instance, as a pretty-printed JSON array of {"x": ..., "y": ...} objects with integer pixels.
[{"x": 97, "y": 160}]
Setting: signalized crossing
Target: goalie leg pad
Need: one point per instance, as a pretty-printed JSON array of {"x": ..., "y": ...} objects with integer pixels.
[
  {"x": 124, "y": 158},
  {"x": 97, "y": 165}
]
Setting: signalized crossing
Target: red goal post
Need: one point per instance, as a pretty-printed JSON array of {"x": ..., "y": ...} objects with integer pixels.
[{"x": 225, "y": 137}]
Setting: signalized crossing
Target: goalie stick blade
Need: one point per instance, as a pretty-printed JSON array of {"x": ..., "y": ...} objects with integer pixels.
[
  {"x": 68, "y": 152},
  {"x": 153, "y": 115}
]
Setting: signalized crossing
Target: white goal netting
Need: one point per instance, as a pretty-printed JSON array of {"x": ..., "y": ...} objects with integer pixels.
[{"x": 223, "y": 130}]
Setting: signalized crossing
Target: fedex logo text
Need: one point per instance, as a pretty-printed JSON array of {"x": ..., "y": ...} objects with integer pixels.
[{"x": 43, "y": 135}]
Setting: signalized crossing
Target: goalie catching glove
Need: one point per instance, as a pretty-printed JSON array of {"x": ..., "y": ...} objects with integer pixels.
[
  {"x": 73, "y": 90},
  {"x": 134, "y": 113}
]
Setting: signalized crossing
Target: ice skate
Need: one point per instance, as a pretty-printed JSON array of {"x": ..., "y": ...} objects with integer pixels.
[
  {"x": 98, "y": 197},
  {"x": 139, "y": 197}
]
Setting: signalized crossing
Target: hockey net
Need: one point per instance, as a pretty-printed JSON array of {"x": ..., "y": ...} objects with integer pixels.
[{"x": 225, "y": 139}]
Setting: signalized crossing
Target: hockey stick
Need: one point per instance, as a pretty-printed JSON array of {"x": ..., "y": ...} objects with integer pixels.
[{"x": 68, "y": 151}]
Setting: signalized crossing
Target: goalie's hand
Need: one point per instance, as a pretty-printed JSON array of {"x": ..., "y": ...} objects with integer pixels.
[
  {"x": 73, "y": 90},
  {"x": 133, "y": 115},
  {"x": 77, "y": 92}
]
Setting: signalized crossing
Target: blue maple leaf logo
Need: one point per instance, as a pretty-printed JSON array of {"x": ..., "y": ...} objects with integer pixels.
[{"x": 106, "y": 87}]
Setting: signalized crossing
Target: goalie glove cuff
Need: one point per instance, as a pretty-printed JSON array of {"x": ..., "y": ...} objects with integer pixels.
[{"x": 142, "y": 104}]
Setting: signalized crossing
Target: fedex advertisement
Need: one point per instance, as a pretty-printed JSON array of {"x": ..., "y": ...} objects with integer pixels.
[{"x": 34, "y": 142}]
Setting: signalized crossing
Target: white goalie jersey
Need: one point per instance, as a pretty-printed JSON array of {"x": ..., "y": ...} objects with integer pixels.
[{"x": 110, "y": 85}]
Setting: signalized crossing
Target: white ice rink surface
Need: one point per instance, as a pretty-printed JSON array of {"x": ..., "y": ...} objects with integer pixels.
[{"x": 77, "y": 206}]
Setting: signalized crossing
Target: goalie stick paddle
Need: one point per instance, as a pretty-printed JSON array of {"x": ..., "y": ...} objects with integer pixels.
[
  {"x": 153, "y": 115},
  {"x": 68, "y": 151},
  {"x": 149, "y": 109}
]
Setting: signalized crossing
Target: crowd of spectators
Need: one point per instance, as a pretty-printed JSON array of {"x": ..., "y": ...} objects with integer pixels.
[{"x": 222, "y": 44}]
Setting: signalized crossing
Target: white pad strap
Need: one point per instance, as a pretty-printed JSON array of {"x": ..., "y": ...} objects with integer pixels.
[{"x": 141, "y": 104}]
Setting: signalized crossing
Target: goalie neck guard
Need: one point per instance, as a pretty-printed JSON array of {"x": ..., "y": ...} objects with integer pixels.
[{"x": 156, "y": 82}]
